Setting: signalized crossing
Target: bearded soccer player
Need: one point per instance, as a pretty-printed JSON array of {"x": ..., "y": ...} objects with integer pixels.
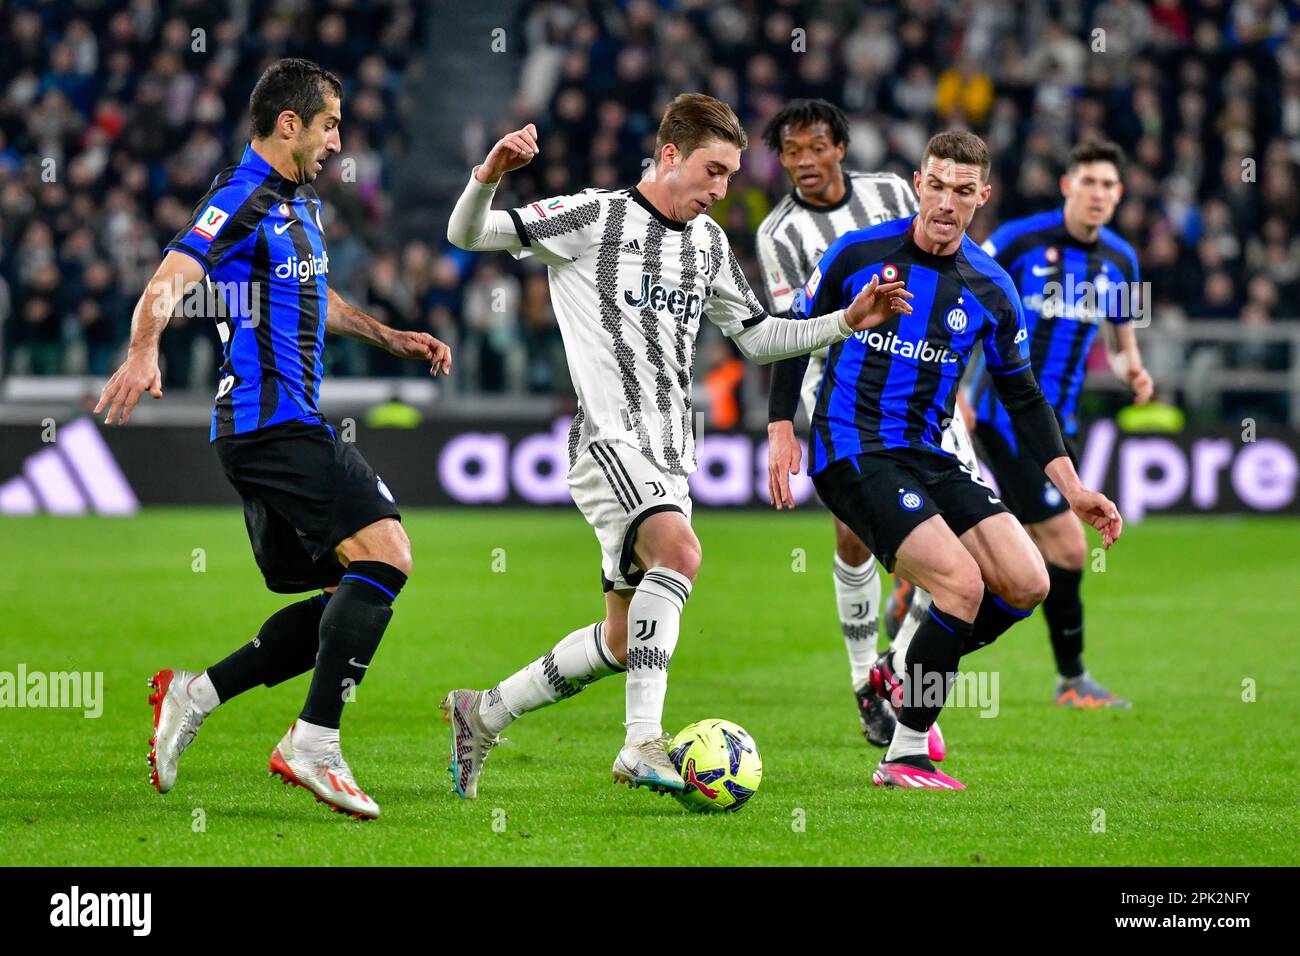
[
  {"x": 318, "y": 516},
  {"x": 810, "y": 138},
  {"x": 632, "y": 273},
  {"x": 877, "y": 458},
  {"x": 1073, "y": 274}
]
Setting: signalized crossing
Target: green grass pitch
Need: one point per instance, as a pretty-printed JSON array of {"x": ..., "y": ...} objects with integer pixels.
[{"x": 1184, "y": 613}]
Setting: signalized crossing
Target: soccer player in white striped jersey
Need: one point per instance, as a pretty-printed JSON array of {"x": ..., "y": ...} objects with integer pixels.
[
  {"x": 811, "y": 137},
  {"x": 632, "y": 273}
]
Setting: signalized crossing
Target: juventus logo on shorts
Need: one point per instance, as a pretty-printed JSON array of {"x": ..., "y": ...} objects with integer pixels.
[
  {"x": 657, "y": 488},
  {"x": 643, "y": 633}
]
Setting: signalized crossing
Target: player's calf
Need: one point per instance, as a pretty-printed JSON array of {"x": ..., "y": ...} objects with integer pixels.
[{"x": 351, "y": 627}]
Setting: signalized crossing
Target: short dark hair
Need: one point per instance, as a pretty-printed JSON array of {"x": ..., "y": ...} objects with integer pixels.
[
  {"x": 1097, "y": 151},
  {"x": 804, "y": 113},
  {"x": 692, "y": 119},
  {"x": 290, "y": 84},
  {"x": 960, "y": 146}
]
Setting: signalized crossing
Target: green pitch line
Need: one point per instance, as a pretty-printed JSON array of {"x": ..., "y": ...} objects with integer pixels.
[{"x": 1189, "y": 617}]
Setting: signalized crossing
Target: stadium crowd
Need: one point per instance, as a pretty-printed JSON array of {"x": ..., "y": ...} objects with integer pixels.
[{"x": 1204, "y": 96}]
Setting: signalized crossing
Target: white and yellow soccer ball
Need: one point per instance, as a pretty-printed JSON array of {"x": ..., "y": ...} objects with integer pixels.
[{"x": 719, "y": 762}]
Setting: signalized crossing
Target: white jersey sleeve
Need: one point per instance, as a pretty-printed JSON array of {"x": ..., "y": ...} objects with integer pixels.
[
  {"x": 780, "y": 285},
  {"x": 558, "y": 230},
  {"x": 731, "y": 304}
]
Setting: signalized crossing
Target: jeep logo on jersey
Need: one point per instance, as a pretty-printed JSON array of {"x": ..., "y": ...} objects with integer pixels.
[
  {"x": 303, "y": 269},
  {"x": 657, "y": 297},
  {"x": 956, "y": 319}
]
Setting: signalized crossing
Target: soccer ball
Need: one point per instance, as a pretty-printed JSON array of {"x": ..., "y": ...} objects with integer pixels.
[{"x": 719, "y": 762}]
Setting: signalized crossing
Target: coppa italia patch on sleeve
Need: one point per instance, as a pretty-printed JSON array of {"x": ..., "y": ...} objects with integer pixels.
[
  {"x": 813, "y": 282},
  {"x": 210, "y": 222}
]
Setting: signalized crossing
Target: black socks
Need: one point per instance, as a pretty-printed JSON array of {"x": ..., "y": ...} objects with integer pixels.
[
  {"x": 1063, "y": 609},
  {"x": 285, "y": 647},
  {"x": 994, "y": 617},
  {"x": 931, "y": 667},
  {"x": 350, "y": 631}
]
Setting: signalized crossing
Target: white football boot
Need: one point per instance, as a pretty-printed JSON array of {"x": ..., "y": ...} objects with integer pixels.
[
  {"x": 176, "y": 722},
  {"x": 645, "y": 763},
  {"x": 324, "y": 773},
  {"x": 471, "y": 742}
]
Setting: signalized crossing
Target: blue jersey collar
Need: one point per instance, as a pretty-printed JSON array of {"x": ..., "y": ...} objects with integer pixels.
[{"x": 256, "y": 166}]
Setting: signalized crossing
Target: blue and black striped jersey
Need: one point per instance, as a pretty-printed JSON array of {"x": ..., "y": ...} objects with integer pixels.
[
  {"x": 894, "y": 386},
  {"x": 1067, "y": 287},
  {"x": 259, "y": 238}
]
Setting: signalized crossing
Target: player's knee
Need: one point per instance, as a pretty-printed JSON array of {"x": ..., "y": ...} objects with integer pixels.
[
  {"x": 1071, "y": 550},
  {"x": 682, "y": 555},
  {"x": 683, "y": 558},
  {"x": 616, "y": 638},
  {"x": 850, "y": 547},
  {"x": 394, "y": 551},
  {"x": 1028, "y": 589},
  {"x": 962, "y": 592}
]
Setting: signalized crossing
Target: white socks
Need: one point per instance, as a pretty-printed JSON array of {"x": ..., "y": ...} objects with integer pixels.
[
  {"x": 909, "y": 743},
  {"x": 857, "y": 597},
  {"x": 579, "y": 659},
  {"x": 312, "y": 737},
  {"x": 653, "y": 623},
  {"x": 202, "y": 694}
]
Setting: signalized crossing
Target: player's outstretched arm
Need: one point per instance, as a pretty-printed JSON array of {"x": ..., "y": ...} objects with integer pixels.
[
  {"x": 474, "y": 225},
  {"x": 774, "y": 338},
  {"x": 343, "y": 318},
  {"x": 1092, "y": 507},
  {"x": 1036, "y": 426},
  {"x": 176, "y": 274}
]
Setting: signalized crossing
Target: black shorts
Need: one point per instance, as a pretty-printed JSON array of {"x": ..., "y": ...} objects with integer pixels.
[
  {"x": 304, "y": 491},
  {"x": 882, "y": 496},
  {"x": 1025, "y": 487}
]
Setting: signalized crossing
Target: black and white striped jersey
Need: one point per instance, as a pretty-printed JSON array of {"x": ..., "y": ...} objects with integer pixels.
[
  {"x": 629, "y": 287},
  {"x": 794, "y": 235}
]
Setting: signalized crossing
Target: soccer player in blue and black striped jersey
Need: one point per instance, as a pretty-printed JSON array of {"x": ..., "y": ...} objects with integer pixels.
[
  {"x": 877, "y": 458},
  {"x": 1074, "y": 276},
  {"x": 318, "y": 516}
]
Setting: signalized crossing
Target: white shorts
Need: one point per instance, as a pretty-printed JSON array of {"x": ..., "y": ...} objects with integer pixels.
[
  {"x": 955, "y": 441},
  {"x": 616, "y": 488}
]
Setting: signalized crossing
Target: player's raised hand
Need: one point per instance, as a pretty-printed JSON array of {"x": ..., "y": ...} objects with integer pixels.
[
  {"x": 1099, "y": 511},
  {"x": 420, "y": 345},
  {"x": 510, "y": 152},
  {"x": 137, "y": 375},
  {"x": 876, "y": 303},
  {"x": 1139, "y": 379},
  {"x": 783, "y": 455}
]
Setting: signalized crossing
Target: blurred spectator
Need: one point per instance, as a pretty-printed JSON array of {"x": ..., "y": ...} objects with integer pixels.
[
  {"x": 111, "y": 127},
  {"x": 491, "y": 324}
]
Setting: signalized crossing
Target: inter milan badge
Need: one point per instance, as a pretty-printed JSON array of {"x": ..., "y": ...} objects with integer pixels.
[
  {"x": 383, "y": 490},
  {"x": 909, "y": 500},
  {"x": 889, "y": 273},
  {"x": 956, "y": 320},
  {"x": 1052, "y": 254},
  {"x": 1051, "y": 497}
]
